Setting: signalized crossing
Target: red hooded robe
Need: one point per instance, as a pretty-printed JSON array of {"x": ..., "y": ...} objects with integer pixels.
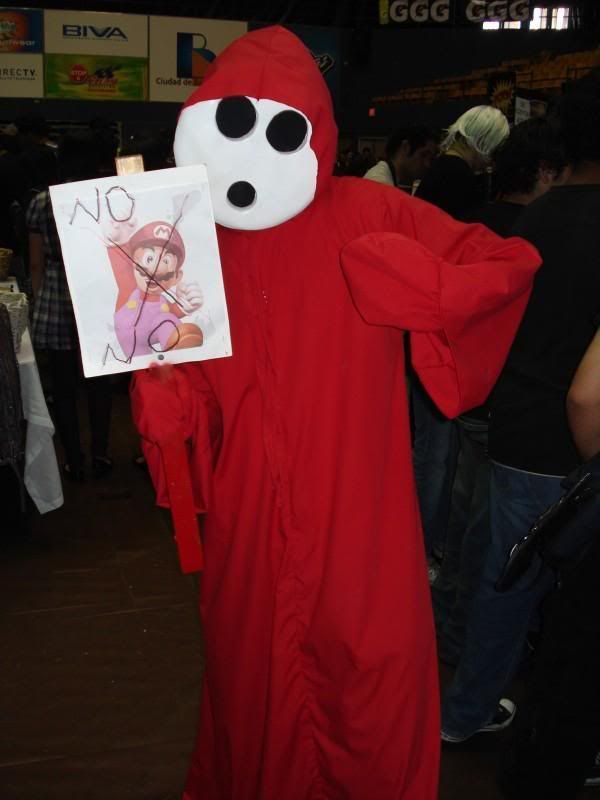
[{"x": 321, "y": 679}]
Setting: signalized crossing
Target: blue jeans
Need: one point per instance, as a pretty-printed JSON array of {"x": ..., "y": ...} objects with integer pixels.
[
  {"x": 435, "y": 452},
  {"x": 498, "y": 623},
  {"x": 467, "y": 540}
]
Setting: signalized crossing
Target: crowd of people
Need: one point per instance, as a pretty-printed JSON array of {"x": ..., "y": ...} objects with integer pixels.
[{"x": 484, "y": 478}]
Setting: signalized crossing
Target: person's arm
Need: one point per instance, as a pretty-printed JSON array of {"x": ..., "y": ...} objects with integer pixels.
[
  {"x": 583, "y": 402},
  {"x": 37, "y": 261}
]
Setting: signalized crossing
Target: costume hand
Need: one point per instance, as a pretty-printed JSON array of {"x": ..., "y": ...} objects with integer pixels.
[
  {"x": 162, "y": 404},
  {"x": 190, "y": 296}
]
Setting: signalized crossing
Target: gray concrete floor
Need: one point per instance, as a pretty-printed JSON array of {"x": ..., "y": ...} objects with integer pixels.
[{"x": 102, "y": 652}]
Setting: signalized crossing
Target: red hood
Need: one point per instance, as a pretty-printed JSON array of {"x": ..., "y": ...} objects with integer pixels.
[{"x": 272, "y": 63}]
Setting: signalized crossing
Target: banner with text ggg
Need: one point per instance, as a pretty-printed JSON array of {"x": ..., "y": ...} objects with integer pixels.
[
  {"x": 21, "y": 59},
  {"x": 181, "y": 50},
  {"x": 452, "y": 12}
]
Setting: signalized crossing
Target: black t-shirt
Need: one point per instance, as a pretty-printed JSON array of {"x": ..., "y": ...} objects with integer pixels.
[
  {"x": 528, "y": 425},
  {"x": 499, "y": 217},
  {"x": 452, "y": 185}
]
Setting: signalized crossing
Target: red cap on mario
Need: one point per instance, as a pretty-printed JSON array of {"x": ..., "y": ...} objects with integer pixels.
[{"x": 159, "y": 234}]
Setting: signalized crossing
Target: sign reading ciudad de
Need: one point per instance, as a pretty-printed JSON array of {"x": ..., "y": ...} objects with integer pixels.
[
  {"x": 96, "y": 33},
  {"x": 452, "y": 12},
  {"x": 181, "y": 50}
]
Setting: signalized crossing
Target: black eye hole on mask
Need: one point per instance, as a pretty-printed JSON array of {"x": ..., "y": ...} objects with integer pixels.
[
  {"x": 287, "y": 131},
  {"x": 236, "y": 116}
]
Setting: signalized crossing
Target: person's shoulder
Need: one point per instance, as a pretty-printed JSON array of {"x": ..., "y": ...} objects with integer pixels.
[
  {"x": 446, "y": 173},
  {"x": 498, "y": 216},
  {"x": 541, "y": 210},
  {"x": 380, "y": 173},
  {"x": 40, "y": 200},
  {"x": 35, "y": 208},
  {"x": 445, "y": 164}
]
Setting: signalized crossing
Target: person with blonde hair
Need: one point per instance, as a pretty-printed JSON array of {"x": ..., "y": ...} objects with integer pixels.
[
  {"x": 454, "y": 185},
  {"x": 476, "y": 134},
  {"x": 466, "y": 150}
]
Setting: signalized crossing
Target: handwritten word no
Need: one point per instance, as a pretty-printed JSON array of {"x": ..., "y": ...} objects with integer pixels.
[{"x": 119, "y": 204}]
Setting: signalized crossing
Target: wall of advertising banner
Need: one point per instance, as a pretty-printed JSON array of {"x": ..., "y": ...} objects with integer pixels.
[{"x": 88, "y": 55}]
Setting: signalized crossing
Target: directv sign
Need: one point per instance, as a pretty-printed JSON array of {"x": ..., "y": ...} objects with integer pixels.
[{"x": 451, "y": 12}]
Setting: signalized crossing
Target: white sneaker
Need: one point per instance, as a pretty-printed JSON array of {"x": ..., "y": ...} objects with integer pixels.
[{"x": 502, "y": 718}]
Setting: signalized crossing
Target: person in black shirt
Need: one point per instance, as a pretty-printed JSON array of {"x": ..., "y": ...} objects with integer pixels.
[
  {"x": 527, "y": 165},
  {"x": 530, "y": 443},
  {"x": 555, "y": 746}
]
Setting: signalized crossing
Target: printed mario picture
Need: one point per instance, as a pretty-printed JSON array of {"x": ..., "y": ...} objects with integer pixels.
[
  {"x": 153, "y": 297},
  {"x": 143, "y": 266}
]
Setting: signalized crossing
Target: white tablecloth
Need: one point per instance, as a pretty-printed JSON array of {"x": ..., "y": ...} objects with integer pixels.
[{"x": 42, "y": 475}]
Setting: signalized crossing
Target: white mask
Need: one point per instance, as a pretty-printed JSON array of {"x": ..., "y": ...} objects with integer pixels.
[{"x": 261, "y": 168}]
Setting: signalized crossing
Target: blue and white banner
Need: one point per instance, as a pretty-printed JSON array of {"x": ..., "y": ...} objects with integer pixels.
[{"x": 181, "y": 50}]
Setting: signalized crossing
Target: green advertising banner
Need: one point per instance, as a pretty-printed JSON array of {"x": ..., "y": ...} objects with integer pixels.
[{"x": 83, "y": 77}]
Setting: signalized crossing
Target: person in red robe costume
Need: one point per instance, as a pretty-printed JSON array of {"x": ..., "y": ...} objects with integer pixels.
[{"x": 321, "y": 678}]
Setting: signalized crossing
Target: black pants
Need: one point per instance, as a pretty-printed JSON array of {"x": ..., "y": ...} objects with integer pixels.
[
  {"x": 557, "y": 730},
  {"x": 65, "y": 377}
]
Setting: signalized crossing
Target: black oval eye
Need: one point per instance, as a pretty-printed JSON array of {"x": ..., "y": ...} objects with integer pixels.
[
  {"x": 287, "y": 131},
  {"x": 241, "y": 194},
  {"x": 236, "y": 116}
]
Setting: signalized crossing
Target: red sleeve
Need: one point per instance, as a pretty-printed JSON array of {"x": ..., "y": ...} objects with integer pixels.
[
  {"x": 459, "y": 289},
  {"x": 179, "y": 421},
  {"x": 122, "y": 267}
]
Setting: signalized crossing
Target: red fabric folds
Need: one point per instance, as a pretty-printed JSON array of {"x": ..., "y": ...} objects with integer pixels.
[{"x": 462, "y": 316}]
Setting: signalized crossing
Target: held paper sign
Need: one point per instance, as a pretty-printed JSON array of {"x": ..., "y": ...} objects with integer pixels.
[{"x": 143, "y": 267}]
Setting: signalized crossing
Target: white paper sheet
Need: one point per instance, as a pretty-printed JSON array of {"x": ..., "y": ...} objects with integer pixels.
[{"x": 143, "y": 267}]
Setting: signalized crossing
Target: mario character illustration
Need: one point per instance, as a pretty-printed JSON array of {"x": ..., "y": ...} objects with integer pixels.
[
  {"x": 320, "y": 674},
  {"x": 152, "y": 298}
]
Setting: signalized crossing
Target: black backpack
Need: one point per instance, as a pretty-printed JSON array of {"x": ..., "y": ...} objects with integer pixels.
[{"x": 562, "y": 535}]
